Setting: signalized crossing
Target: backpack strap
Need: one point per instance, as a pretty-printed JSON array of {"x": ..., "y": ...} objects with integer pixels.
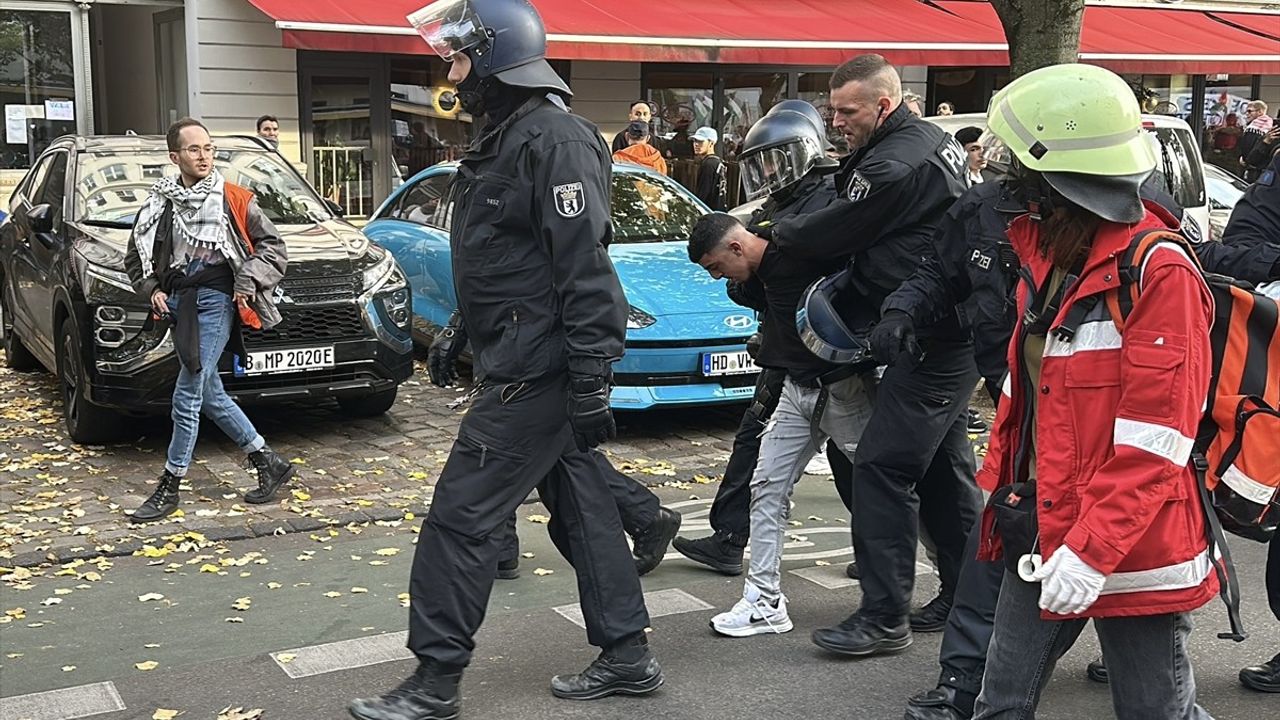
[{"x": 1219, "y": 555}]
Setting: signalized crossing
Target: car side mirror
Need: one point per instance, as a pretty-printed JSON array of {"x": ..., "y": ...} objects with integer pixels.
[
  {"x": 335, "y": 208},
  {"x": 41, "y": 218}
]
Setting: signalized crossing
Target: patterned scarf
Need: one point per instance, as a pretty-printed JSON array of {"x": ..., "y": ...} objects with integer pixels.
[{"x": 199, "y": 215}]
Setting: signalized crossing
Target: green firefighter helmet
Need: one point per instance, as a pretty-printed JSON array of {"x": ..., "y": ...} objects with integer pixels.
[{"x": 1080, "y": 127}]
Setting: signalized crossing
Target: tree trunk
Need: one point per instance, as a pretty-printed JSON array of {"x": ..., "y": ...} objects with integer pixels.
[{"x": 1040, "y": 32}]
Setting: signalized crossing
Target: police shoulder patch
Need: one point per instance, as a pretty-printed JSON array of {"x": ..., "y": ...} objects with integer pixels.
[
  {"x": 1190, "y": 229},
  {"x": 859, "y": 187},
  {"x": 569, "y": 199},
  {"x": 1268, "y": 178}
]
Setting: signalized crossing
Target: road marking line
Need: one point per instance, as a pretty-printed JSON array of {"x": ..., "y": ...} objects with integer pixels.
[
  {"x": 64, "y": 704},
  {"x": 672, "y": 601},
  {"x": 344, "y": 655},
  {"x": 833, "y": 577}
]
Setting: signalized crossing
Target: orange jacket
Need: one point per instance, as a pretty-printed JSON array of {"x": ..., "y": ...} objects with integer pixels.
[{"x": 642, "y": 154}]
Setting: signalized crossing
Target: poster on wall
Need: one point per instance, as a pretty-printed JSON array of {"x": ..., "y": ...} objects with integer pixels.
[
  {"x": 60, "y": 110},
  {"x": 15, "y": 124}
]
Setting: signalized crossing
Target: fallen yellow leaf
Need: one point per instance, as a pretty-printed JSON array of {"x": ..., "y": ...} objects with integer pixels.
[
  {"x": 274, "y": 586},
  {"x": 358, "y": 590},
  {"x": 387, "y": 552},
  {"x": 333, "y": 594},
  {"x": 209, "y": 568},
  {"x": 230, "y": 713},
  {"x": 540, "y": 519},
  {"x": 542, "y": 571},
  {"x": 286, "y": 658},
  {"x": 241, "y": 604},
  {"x": 68, "y": 668},
  {"x": 162, "y": 714},
  {"x": 148, "y": 665},
  {"x": 301, "y": 495},
  {"x": 150, "y": 596}
]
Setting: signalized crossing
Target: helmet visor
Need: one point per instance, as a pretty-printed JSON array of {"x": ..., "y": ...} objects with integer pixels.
[
  {"x": 449, "y": 26},
  {"x": 772, "y": 169},
  {"x": 995, "y": 152}
]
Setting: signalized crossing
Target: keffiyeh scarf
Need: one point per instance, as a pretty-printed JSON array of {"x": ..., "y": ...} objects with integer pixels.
[{"x": 199, "y": 215}]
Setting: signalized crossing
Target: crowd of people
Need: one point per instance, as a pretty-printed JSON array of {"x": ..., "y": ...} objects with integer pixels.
[{"x": 889, "y": 283}]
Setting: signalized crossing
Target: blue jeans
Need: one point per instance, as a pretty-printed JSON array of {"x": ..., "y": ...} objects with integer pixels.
[
  {"x": 1150, "y": 672},
  {"x": 203, "y": 391}
]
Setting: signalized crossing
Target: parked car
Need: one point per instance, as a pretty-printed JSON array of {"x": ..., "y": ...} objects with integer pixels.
[
  {"x": 1224, "y": 191},
  {"x": 686, "y": 341},
  {"x": 1178, "y": 160},
  {"x": 66, "y": 302}
]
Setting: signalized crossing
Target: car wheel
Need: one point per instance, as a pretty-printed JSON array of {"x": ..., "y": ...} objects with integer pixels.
[
  {"x": 367, "y": 405},
  {"x": 86, "y": 422},
  {"x": 16, "y": 355}
]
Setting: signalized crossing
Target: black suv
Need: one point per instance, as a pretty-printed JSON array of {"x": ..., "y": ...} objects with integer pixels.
[{"x": 66, "y": 302}]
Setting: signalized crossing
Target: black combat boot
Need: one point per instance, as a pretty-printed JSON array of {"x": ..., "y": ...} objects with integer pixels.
[
  {"x": 1264, "y": 677},
  {"x": 715, "y": 551},
  {"x": 651, "y": 544},
  {"x": 430, "y": 693},
  {"x": 851, "y": 571},
  {"x": 162, "y": 502},
  {"x": 628, "y": 668},
  {"x": 508, "y": 569},
  {"x": 933, "y": 616},
  {"x": 273, "y": 471}
]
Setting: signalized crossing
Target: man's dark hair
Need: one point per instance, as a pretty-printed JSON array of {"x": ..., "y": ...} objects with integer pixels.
[
  {"x": 639, "y": 102},
  {"x": 968, "y": 135},
  {"x": 709, "y": 232},
  {"x": 171, "y": 137},
  {"x": 870, "y": 68},
  {"x": 265, "y": 118}
]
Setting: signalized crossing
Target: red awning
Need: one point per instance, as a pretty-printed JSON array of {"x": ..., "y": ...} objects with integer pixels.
[{"x": 808, "y": 32}]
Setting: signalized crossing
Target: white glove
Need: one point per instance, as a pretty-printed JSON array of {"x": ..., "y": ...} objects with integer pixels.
[{"x": 1068, "y": 584}]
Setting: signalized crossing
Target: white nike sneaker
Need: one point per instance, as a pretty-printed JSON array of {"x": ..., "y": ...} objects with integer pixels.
[
  {"x": 753, "y": 615},
  {"x": 819, "y": 465}
]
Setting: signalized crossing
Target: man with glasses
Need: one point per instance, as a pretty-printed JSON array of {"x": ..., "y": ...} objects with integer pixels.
[
  {"x": 546, "y": 318},
  {"x": 1257, "y": 123},
  {"x": 207, "y": 259}
]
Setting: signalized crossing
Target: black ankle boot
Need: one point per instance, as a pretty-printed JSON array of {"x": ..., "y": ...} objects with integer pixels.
[
  {"x": 162, "y": 502},
  {"x": 628, "y": 668},
  {"x": 715, "y": 551},
  {"x": 273, "y": 471},
  {"x": 508, "y": 569},
  {"x": 430, "y": 693},
  {"x": 651, "y": 544}
]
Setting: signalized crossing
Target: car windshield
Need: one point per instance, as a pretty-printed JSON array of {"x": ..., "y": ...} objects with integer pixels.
[
  {"x": 112, "y": 185},
  {"x": 647, "y": 208}
]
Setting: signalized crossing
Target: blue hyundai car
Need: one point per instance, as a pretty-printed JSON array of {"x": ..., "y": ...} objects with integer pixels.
[{"x": 686, "y": 341}]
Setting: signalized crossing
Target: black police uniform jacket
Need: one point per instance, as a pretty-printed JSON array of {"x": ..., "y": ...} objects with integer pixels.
[
  {"x": 1250, "y": 247},
  {"x": 890, "y": 195},
  {"x": 528, "y": 235}
]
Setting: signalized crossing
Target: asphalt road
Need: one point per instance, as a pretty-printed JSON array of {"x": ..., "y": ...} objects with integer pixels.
[{"x": 305, "y": 590}]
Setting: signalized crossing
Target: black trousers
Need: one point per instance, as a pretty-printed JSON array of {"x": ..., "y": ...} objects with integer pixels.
[
  {"x": 730, "y": 515},
  {"x": 914, "y": 460},
  {"x": 516, "y": 437}
]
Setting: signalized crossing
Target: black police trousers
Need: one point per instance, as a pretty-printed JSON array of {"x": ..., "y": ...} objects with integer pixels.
[
  {"x": 730, "y": 515},
  {"x": 637, "y": 506},
  {"x": 914, "y": 460},
  {"x": 516, "y": 437}
]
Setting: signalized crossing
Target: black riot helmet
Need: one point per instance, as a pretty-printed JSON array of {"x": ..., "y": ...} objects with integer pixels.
[
  {"x": 811, "y": 112},
  {"x": 505, "y": 39},
  {"x": 779, "y": 150},
  {"x": 834, "y": 321}
]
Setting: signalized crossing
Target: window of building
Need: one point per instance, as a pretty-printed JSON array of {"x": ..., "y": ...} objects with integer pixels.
[
  {"x": 425, "y": 127},
  {"x": 684, "y": 102},
  {"x": 37, "y": 83},
  {"x": 747, "y": 97}
]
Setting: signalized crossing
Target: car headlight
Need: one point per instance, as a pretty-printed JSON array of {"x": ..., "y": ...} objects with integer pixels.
[
  {"x": 637, "y": 318},
  {"x": 396, "y": 303},
  {"x": 114, "y": 278},
  {"x": 379, "y": 271}
]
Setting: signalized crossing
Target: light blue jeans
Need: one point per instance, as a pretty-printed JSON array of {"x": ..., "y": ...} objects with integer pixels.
[{"x": 203, "y": 391}]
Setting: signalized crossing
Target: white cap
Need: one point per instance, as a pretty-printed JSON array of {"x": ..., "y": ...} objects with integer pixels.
[{"x": 705, "y": 133}]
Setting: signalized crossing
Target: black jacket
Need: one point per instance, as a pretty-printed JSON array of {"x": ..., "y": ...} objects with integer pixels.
[
  {"x": 529, "y": 232},
  {"x": 890, "y": 196},
  {"x": 712, "y": 186},
  {"x": 1250, "y": 247}
]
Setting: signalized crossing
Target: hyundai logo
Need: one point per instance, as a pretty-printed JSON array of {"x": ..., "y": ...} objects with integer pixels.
[{"x": 738, "y": 322}]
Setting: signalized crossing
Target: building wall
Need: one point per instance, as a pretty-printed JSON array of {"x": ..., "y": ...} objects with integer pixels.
[
  {"x": 1270, "y": 93},
  {"x": 603, "y": 91},
  {"x": 243, "y": 71}
]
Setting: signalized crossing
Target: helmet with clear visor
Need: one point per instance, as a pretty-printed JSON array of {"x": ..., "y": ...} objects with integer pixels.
[{"x": 779, "y": 150}]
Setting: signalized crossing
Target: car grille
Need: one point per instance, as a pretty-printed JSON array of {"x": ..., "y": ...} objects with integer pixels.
[
  {"x": 301, "y": 324},
  {"x": 643, "y": 380},
  {"x": 315, "y": 290},
  {"x": 314, "y": 378}
]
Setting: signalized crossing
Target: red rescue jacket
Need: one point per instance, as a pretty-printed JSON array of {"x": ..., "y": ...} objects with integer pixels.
[{"x": 1117, "y": 413}]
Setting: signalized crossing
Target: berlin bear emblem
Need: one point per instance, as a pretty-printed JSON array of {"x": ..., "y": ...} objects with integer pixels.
[{"x": 569, "y": 199}]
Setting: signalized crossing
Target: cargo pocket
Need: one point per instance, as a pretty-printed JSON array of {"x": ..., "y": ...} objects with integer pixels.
[{"x": 1154, "y": 376}]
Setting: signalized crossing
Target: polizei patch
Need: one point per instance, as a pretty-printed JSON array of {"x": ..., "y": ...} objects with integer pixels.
[
  {"x": 859, "y": 187},
  {"x": 569, "y": 199}
]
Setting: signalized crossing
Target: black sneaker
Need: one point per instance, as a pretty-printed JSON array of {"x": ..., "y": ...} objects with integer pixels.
[
  {"x": 859, "y": 636},
  {"x": 162, "y": 502},
  {"x": 1263, "y": 678},
  {"x": 508, "y": 569},
  {"x": 430, "y": 693},
  {"x": 932, "y": 617},
  {"x": 651, "y": 544},
  {"x": 976, "y": 425},
  {"x": 940, "y": 703},
  {"x": 273, "y": 471},
  {"x": 607, "y": 676},
  {"x": 1097, "y": 671},
  {"x": 714, "y": 551},
  {"x": 851, "y": 571}
]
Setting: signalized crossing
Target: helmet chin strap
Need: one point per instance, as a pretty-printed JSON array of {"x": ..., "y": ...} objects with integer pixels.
[
  {"x": 1032, "y": 189},
  {"x": 471, "y": 92}
]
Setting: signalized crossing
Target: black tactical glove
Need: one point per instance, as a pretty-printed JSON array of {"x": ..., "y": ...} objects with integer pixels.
[
  {"x": 894, "y": 336},
  {"x": 753, "y": 344},
  {"x": 589, "y": 412},
  {"x": 442, "y": 358}
]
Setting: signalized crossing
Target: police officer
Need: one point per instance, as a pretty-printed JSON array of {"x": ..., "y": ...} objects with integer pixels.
[
  {"x": 547, "y": 317},
  {"x": 1250, "y": 245},
  {"x": 782, "y": 157},
  {"x": 892, "y": 190}
]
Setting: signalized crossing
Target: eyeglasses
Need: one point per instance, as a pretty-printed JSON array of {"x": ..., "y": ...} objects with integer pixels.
[{"x": 196, "y": 151}]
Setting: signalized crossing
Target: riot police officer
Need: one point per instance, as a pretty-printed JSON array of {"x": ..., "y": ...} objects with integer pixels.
[
  {"x": 782, "y": 157},
  {"x": 547, "y": 316},
  {"x": 892, "y": 190}
]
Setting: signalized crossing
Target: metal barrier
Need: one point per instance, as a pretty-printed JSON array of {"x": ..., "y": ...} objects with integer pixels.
[{"x": 343, "y": 175}]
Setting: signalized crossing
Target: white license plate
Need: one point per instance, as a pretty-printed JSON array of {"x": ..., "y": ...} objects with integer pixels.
[
  {"x": 285, "y": 361},
  {"x": 727, "y": 363}
]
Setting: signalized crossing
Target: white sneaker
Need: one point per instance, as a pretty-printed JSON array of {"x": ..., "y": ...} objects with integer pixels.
[
  {"x": 819, "y": 465},
  {"x": 753, "y": 615}
]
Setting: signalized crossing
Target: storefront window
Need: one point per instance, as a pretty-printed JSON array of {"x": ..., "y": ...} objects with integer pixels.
[
  {"x": 1162, "y": 94},
  {"x": 342, "y": 146},
  {"x": 815, "y": 88},
  {"x": 37, "y": 83},
  {"x": 684, "y": 101},
  {"x": 747, "y": 97},
  {"x": 423, "y": 132}
]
